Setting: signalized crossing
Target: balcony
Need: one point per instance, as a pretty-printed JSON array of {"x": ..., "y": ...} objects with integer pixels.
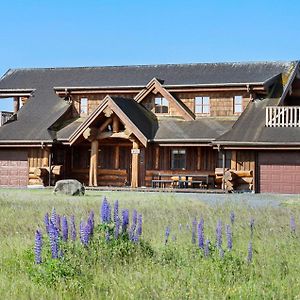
[
  {"x": 283, "y": 116},
  {"x": 5, "y": 116}
]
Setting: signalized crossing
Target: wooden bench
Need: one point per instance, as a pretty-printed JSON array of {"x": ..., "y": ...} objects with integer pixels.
[{"x": 161, "y": 182}]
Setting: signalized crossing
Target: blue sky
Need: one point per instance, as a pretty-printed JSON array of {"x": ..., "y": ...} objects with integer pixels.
[{"x": 110, "y": 32}]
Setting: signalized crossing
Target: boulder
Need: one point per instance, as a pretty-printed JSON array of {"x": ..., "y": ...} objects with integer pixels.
[{"x": 69, "y": 187}]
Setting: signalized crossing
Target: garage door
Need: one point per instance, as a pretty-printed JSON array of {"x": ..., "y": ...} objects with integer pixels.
[
  {"x": 279, "y": 172},
  {"x": 13, "y": 168}
]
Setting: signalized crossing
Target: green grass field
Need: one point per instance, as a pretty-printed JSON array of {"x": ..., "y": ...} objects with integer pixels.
[{"x": 178, "y": 270}]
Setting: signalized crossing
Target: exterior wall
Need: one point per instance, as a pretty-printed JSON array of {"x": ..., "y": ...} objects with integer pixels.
[{"x": 221, "y": 103}]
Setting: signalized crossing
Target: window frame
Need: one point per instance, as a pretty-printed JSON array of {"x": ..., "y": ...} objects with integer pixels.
[
  {"x": 158, "y": 108},
  {"x": 176, "y": 161},
  {"x": 85, "y": 112},
  {"x": 237, "y": 107},
  {"x": 202, "y": 105}
]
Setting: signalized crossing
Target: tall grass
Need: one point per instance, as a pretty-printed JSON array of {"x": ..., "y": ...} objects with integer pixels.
[{"x": 178, "y": 269}]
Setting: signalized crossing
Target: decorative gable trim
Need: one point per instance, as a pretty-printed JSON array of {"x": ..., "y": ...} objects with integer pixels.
[{"x": 155, "y": 86}]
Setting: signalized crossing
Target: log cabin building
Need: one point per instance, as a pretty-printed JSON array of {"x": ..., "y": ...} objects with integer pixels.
[{"x": 236, "y": 124}]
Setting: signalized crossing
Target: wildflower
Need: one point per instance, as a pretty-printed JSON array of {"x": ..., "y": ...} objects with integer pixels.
[
  {"x": 206, "y": 249},
  {"x": 65, "y": 230},
  {"x": 91, "y": 223},
  {"x": 232, "y": 217},
  {"x": 53, "y": 216},
  {"x": 140, "y": 225},
  {"x": 194, "y": 228},
  {"x": 87, "y": 233},
  {"x": 38, "y": 247},
  {"x": 219, "y": 234},
  {"x": 167, "y": 233},
  {"x": 249, "y": 258},
  {"x": 293, "y": 225},
  {"x": 201, "y": 234},
  {"x": 134, "y": 220},
  {"x": 125, "y": 220},
  {"x": 53, "y": 236},
  {"x": 107, "y": 236},
  {"x": 116, "y": 211},
  {"x": 229, "y": 237},
  {"x": 83, "y": 234},
  {"x": 105, "y": 211},
  {"x": 46, "y": 222},
  {"x": 73, "y": 228},
  {"x": 251, "y": 226}
]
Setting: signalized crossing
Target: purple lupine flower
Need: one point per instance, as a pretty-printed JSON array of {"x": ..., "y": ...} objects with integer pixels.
[
  {"x": 140, "y": 225},
  {"x": 46, "y": 222},
  {"x": 83, "y": 238},
  {"x": 293, "y": 225},
  {"x": 232, "y": 217},
  {"x": 134, "y": 220},
  {"x": 250, "y": 252},
  {"x": 117, "y": 228},
  {"x": 116, "y": 210},
  {"x": 201, "y": 234},
  {"x": 53, "y": 236},
  {"x": 38, "y": 247},
  {"x": 91, "y": 222},
  {"x": 107, "y": 236},
  {"x": 87, "y": 233},
  {"x": 65, "y": 229},
  {"x": 219, "y": 234},
  {"x": 251, "y": 226},
  {"x": 73, "y": 228},
  {"x": 58, "y": 223},
  {"x": 167, "y": 233},
  {"x": 206, "y": 249},
  {"x": 221, "y": 252},
  {"x": 229, "y": 237},
  {"x": 125, "y": 220},
  {"x": 105, "y": 211},
  {"x": 194, "y": 228},
  {"x": 53, "y": 217}
]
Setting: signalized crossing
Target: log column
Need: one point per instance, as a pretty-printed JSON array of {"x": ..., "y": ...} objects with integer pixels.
[
  {"x": 16, "y": 104},
  {"x": 94, "y": 163},
  {"x": 135, "y": 164}
]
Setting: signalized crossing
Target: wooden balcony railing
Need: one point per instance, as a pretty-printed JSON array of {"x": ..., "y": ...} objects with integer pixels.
[
  {"x": 5, "y": 116},
  {"x": 283, "y": 116}
]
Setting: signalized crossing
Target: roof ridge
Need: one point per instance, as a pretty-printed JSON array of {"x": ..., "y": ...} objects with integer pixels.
[{"x": 158, "y": 65}]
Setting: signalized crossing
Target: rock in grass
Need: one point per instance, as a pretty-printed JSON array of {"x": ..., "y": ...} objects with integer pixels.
[{"x": 69, "y": 187}]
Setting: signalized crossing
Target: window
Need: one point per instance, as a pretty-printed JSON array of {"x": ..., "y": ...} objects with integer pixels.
[
  {"x": 161, "y": 105},
  {"x": 202, "y": 105},
  {"x": 238, "y": 104},
  {"x": 178, "y": 159},
  {"x": 84, "y": 106}
]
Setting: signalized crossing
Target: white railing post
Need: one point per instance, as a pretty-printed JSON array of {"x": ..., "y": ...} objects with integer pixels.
[{"x": 283, "y": 116}]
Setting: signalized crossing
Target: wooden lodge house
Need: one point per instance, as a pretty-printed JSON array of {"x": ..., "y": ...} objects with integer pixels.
[{"x": 209, "y": 125}]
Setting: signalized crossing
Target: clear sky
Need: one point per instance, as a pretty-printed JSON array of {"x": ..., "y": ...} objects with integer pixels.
[{"x": 113, "y": 32}]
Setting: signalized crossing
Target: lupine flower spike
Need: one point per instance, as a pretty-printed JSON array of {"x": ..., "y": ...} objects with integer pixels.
[
  {"x": 140, "y": 225},
  {"x": 38, "y": 247},
  {"x": 105, "y": 211},
  {"x": 125, "y": 220},
  {"x": 201, "y": 234},
  {"x": 65, "y": 229},
  {"x": 229, "y": 237},
  {"x": 53, "y": 216},
  {"x": 249, "y": 258},
  {"x": 167, "y": 233},
  {"x": 53, "y": 236},
  {"x": 293, "y": 225}
]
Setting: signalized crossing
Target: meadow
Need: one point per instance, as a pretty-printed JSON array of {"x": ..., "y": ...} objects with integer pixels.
[{"x": 166, "y": 262}]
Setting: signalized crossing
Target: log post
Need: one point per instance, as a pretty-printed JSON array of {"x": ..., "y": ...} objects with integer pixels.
[
  {"x": 117, "y": 157},
  {"x": 115, "y": 126},
  {"x": 156, "y": 167},
  {"x": 135, "y": 165},
  {"x": 16, "y": 104},
  {"x": 223, "y": 170},
  {"x": 45, "y": 161},
  {"x": 94, "y": 163}
]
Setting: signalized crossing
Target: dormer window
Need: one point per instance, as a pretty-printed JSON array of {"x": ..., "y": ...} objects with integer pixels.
[
  {"x": 237, "y": 104},
  {"x": 83, "y": 106},
  {"x": 161, "y": 105},
  {"x": 202, "y": 105}
]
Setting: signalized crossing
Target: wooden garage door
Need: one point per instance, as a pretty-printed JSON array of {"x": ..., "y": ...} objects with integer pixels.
[
  {"x": 279, "y": 172},
  {"x": 13, "y": 168}
]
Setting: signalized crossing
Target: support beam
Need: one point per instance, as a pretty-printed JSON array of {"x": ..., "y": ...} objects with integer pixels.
[
  {"x": 115, "y": 126},
  {"x": 117, "y": 157},
  {"x": 135, "y": 165},
  {"x": 156, "y": 167},
  {"x": 94, "y": 163},
  {"x": 16, "y": 104},
  {"x": 45, "y": 162},
  {"x": 199, "y": 158},
  {"x": 223, "y": 170}
]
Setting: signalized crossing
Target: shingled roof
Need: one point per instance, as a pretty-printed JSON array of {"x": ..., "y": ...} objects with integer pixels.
[{"x": 44, "y": 108}]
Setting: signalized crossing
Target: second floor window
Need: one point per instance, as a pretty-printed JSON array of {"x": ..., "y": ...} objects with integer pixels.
[
  {"x": 84, "y": 106},
  {"x": 161, "y": 105},
  {"x": 237, "y": 104},
  {"x": 202, "y": 105}
]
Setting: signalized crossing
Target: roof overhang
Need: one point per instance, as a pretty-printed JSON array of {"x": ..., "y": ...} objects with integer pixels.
[{"x": 6, "y": 93}]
